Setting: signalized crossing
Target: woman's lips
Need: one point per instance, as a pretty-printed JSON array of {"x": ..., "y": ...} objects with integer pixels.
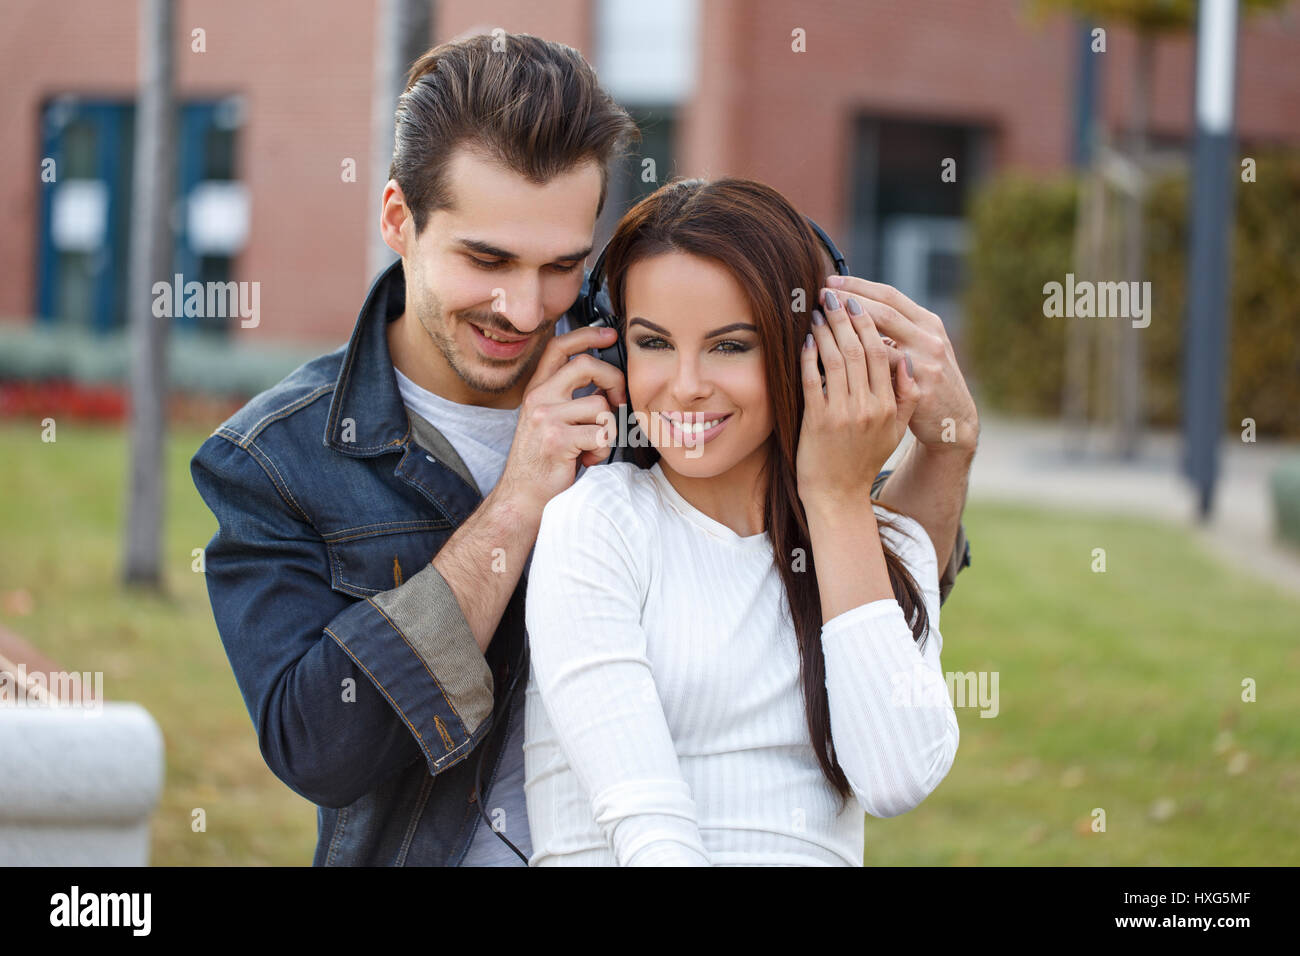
[{"x": 693, "y": 437}]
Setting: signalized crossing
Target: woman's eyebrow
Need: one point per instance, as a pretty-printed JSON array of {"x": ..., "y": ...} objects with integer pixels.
[{"x": 733, "y": 327}]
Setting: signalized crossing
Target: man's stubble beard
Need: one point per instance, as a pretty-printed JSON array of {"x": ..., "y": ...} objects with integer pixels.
[{"x": 434, "y": 320}]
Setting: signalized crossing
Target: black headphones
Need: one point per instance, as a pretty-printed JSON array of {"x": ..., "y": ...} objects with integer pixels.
[{"x": 593, "y": 307}]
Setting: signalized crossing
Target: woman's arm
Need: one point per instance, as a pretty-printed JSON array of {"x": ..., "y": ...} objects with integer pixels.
[
  {"x": 588, "y": 653},
  {"x": 892, "y": 720},
  {"x": 894, "y": 747}
]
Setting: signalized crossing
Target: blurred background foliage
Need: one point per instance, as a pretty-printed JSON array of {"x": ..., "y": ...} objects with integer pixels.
[{"x": 1023, "y": 233}]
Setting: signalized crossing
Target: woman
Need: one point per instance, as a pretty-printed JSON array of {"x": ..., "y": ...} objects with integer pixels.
[{"x": 734, "y": 650}]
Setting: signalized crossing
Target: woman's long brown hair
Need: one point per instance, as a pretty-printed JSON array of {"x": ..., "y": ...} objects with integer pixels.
[{"x": 753, "y": 231}]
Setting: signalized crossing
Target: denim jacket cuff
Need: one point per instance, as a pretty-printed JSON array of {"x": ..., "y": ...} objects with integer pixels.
[
  {"x": 960, "y": 558},
  {"x": 416, "y": 646}
]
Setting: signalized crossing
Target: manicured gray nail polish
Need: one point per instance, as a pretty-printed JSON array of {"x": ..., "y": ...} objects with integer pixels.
[
  {"x": 853, "y": 306},
  {"x": 818, "y": 318},
  {"x": 831, "y": 301}
]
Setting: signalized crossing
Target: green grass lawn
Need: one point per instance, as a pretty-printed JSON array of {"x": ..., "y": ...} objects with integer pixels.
[
  {"x": 61, "y": 516},
  {"x": 1118, "y": 690}
]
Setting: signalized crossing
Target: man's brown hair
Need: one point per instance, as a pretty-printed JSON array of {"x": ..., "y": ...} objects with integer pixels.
[{"x": 532, "y": 104}]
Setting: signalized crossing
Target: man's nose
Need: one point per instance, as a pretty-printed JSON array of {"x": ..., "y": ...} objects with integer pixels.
[{"x": 521, "y": 304}]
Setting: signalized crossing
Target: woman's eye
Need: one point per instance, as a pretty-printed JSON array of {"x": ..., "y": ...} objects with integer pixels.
[{"x": 645, "y": 343}]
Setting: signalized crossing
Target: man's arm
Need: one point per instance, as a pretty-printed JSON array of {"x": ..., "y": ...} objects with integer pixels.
[
  {"x": 342, "y": 692},
  {"x": 483, "y": 560},
  {"x": 930, "y": 486},
  {"x": 296, "y": 645}
]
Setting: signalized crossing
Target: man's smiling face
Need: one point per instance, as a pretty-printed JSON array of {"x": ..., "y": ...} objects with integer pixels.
[{"x": 505, "y": 259}]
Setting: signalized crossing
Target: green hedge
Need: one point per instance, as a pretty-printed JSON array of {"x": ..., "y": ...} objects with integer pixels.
[
  {"x": 33, "y": 352},
  {"x": 1023, "y": 237}
]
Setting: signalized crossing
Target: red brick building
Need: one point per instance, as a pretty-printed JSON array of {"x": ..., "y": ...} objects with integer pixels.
[{"x": 853, "y": 128}]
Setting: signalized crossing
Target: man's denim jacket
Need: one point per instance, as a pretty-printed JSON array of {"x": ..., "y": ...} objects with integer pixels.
[{"x": 364, "y": 681}]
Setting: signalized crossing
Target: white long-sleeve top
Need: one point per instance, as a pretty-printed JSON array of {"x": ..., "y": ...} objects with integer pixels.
[{"x": 665, "y": 719}]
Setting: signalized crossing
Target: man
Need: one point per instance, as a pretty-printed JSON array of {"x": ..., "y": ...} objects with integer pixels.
[{"x": 377, "y": 509}]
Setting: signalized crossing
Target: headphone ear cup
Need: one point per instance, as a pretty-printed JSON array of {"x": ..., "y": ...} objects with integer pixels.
[
  {"x": 617, "y": 357},
  {"x": 613, "y": 354}
]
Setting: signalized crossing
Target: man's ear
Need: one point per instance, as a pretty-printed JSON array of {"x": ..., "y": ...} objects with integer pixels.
[{"x": 396, "y": 224}]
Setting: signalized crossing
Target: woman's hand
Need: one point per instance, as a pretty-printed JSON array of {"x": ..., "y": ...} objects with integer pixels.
[
  {"x": 852, "y": 426},
  {"x": 945, "y": 416}
]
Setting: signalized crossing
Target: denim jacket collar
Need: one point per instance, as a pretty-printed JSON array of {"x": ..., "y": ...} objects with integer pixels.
[{"x": 367, "y": 405}]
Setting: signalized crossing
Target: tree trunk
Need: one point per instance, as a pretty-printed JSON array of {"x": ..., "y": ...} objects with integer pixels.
[
  {"x": 403, "y": 31},
  {"x": 1129, "y": 373},
  {"x": 151, "y": 249}
]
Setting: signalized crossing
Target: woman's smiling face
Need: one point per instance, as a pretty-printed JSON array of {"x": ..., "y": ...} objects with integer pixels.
[{"x": 694, "y": 358}]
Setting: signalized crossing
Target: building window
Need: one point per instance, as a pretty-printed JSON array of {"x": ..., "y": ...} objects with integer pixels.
[
  {"x": 646, "y": 55},
  {"x": 84, "y": 237}
]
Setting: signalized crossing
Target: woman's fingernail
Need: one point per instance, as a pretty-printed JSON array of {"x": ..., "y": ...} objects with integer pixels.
[
  {"x": 818, "y": 318},
  {"x": 808, "y": 341},
  {"x": 835, "y": 280},
  {"x": 854, "y": 307},
  {"x": 909, "y": 365},
  {"x": 832, "y": 302}
]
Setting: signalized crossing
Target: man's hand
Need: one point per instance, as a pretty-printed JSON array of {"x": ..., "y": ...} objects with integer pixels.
[
  {"x": 945, "y": 416},
  {"x": 557, "y": 432},
  {"x": 554, "y": 432}
]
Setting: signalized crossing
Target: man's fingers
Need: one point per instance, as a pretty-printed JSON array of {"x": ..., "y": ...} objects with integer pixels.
[
  {"x": 590, "y": 438},
  {"x": 585, "y": 410},
  {"x": 897, "y": 353},
  {"x": 889, "y": 296},
  {"x": 563, "y": 347},
  {"x": 590, "y": 459},
  {"x": 907, "y": 392},
  {"x": 898, "y": 357},
  {"x": 892, "y": 323},
  {"x": 579, "y": 372}
]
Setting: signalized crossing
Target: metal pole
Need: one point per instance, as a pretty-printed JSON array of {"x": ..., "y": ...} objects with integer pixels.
[{"x": 1209, "y": 279}]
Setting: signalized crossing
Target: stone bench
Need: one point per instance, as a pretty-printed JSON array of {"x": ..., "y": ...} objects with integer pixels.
[{"x": 79, "y": 780}]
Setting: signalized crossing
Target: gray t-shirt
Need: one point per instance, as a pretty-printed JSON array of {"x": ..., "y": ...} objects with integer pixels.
[{"x": 482, "y": 437}]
